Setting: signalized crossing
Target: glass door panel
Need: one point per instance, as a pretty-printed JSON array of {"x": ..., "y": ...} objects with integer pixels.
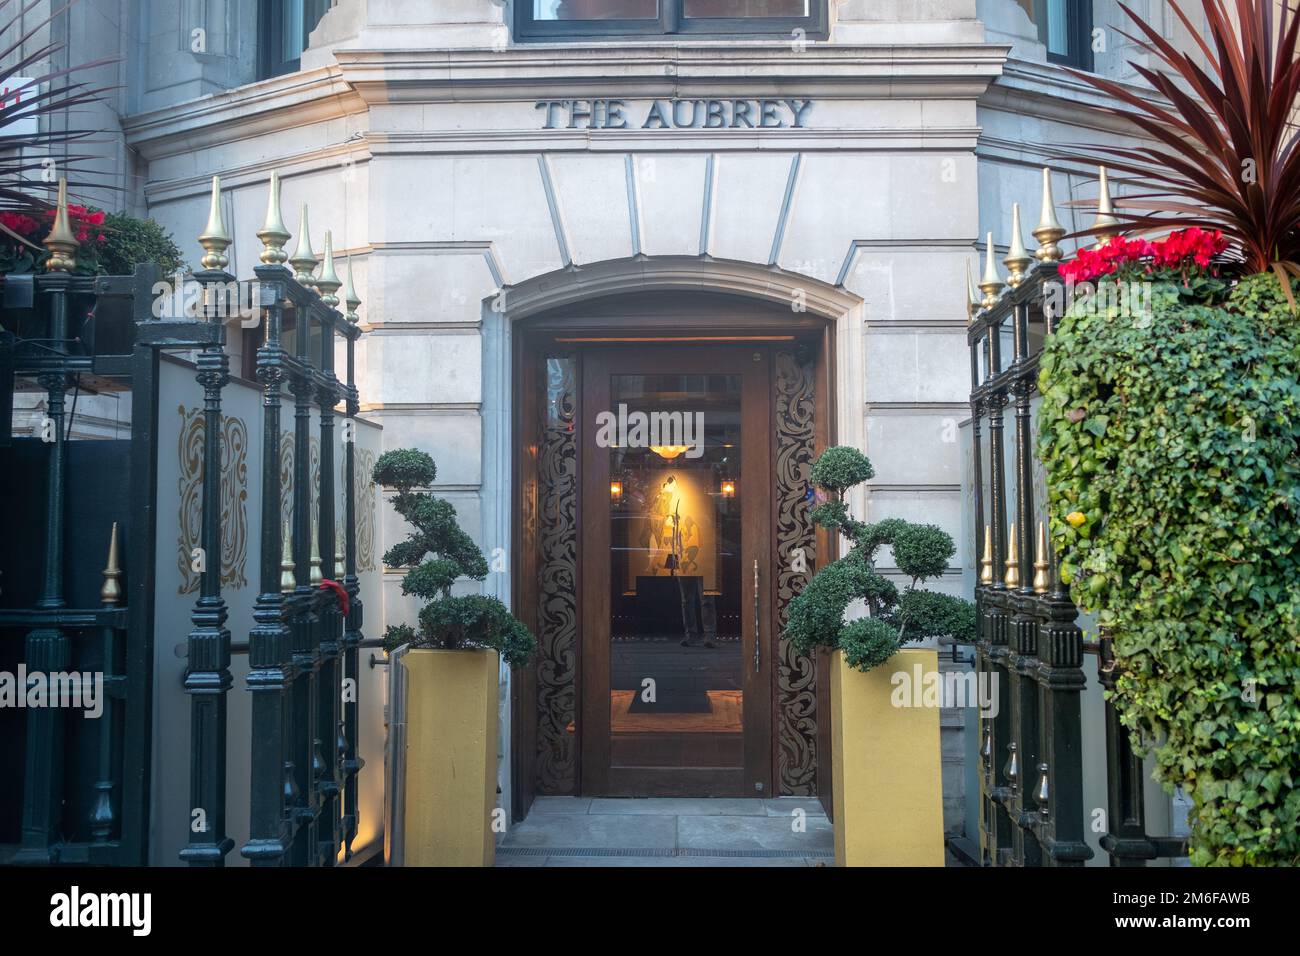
[{"x": 676, "y": 582}]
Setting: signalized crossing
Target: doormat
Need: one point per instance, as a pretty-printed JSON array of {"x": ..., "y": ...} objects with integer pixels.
[{"x": 724, "y": 716}]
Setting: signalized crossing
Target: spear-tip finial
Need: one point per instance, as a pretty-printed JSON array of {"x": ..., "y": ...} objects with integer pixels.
[
  {"x": 991, "y": 284},
  {"x": 214, "y": 239},
  {"x": 1106, "y": 223},
  {"x": 350, "y": 298},
  {"x": 1018, "y": 258},
  {"x": 1049, "y": 230},
  {"x": 327, "y": 283},
  {"x": 111, "y": 592},
  {"x": 273, "y": 234},
  {"x": 61, "y": 242},
  {"x": 303, "y": 259}
]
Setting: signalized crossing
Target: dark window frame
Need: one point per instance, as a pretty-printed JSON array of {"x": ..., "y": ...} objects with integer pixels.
[
  {"x": 671, "y": 23},
  {"x": 1078, "y": 31},
  {"x": 270, "y": 38}
]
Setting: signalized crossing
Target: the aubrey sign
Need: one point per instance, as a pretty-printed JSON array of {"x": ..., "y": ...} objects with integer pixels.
[{"x": 677, "y": 114}]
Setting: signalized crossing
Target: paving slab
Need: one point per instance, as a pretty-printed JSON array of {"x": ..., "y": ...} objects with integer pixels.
[
  {"x": 560, "y": 805},
  {"x": 754, "y": 833},
  {"x": 594, "y": 830},
  {"x": 784, "y": 806},
  {"x": 681, "y": 806}
]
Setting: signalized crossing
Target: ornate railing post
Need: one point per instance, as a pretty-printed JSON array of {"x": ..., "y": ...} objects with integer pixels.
[
  {"x": 998, "y": 733},
  {"x": 47, "y": 650},
  {"x": 329, "y": 684},
  {"x": 271, "y": 667},
  {"x": 351, "y": 761},
  {"x": 102, "y": 818},
  {"x": 1126, "y": 837},
  {"x": 306, "y": 639},
  {"x": 208, "y": 679},
  {"x": 1022, "y": 659}
]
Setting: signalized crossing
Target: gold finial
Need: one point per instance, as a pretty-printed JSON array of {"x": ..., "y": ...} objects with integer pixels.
[
  {"x": 316, "y": 576},
  {"x": 273, "y": 233},
  {"x": 327, "y": 283},
  {"x": 986, "y": 564},
  {"x": 1040, "y": 562},
  {"x": 288, "y": 579},
  {"x": 1018, "y": 258},
  {"x": 61, "y": 241},
  {"x": 1105, "y": 220},
  {"x": 111, "y": 592},
  {"x": 350, "y": 298},
  {"x": 1012, "y": 576},
  {"x": 214, "y": 238},
  {"x": 303, "y": 259},
  {"x": 972, "y": 297},
  {"x": 990, "y": 285},
  {"x": 1049, "y": 230}
]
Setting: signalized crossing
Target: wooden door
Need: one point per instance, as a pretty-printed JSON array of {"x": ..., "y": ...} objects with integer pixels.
[{"x": 675, "y": 542}]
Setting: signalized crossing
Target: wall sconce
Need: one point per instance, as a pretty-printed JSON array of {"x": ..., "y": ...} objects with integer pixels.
[
  {"x": 616, "y": 491},
  {"x": 728, "y": 488}
]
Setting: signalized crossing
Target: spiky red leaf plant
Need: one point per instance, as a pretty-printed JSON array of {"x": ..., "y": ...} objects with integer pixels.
[
  {"x": 1226, "y": 156},
  {"x": 52, "y": 95}
]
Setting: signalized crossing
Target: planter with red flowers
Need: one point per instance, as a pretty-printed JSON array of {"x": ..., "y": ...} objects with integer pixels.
[{"x": 1169, "y": 433}]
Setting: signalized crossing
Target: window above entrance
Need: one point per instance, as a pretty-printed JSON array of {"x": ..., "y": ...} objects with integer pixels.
[{"x": 594, "y": 19}]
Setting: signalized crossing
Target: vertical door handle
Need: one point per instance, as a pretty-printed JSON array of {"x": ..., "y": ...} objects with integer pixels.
[{"x": 758, "y": 628}]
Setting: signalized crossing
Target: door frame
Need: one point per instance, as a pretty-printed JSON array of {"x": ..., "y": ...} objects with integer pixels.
[{"x": 628, "y": 315}]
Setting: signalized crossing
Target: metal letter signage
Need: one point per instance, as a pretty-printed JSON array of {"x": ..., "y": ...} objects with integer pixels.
[{"x": 677, "y": 114}]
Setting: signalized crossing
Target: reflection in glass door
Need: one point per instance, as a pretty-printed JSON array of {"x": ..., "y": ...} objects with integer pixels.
[
  {"x": 675, "y": 550},
  {"x": 676, "y": 687}
]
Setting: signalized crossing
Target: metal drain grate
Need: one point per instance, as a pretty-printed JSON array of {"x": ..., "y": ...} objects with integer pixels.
[{"x": 662, "y": 852}]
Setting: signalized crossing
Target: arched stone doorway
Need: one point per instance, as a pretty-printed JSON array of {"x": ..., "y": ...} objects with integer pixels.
[{"x": 771, "y": 343}]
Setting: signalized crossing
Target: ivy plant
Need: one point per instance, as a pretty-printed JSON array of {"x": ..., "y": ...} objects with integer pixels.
[
  {"x": 1170, "y": 440},
  {"x": 436, "y": 554},
  {"x": 816, "y": 616}
]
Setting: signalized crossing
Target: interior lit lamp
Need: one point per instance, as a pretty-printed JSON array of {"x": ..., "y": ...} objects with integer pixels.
[
  {"x": 669, "y": 452},
  {"x": 616, "y": 491},
  {"x": 728, "y": 488}
]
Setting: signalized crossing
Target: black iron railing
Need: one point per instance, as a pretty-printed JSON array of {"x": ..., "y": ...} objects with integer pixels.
[
  {"x": 303, "y": 647},
  {"x": 1030, "y": 646}
]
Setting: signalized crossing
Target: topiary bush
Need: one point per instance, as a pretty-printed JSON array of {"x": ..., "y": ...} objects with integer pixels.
[
  {"x": 1170, "y": 441},
  {"x": 816, "y": 615},
  {"x": 437, "y": 553}
]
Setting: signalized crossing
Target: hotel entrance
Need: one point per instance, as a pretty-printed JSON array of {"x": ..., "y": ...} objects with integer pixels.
[{"x": 663, "y": 523}]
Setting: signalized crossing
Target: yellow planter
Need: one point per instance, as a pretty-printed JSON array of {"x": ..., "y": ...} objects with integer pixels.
[
  {"x": 886, "y": 765},
  {"x": 451, "y": 757}
]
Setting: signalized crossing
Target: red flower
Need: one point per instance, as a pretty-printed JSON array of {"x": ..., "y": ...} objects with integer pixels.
[{"x": 1172, "y": 252}]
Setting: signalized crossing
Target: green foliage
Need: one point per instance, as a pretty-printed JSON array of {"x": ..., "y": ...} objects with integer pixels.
[
  {"x": 1175, "y": 435},
  {"x": 129, "y": 241},
  {"x": 404, "y": 469},
  {"x": 840, "y": 468},
  {"x": 816, "y": 615},
  {"x": 467, "y": 621}
]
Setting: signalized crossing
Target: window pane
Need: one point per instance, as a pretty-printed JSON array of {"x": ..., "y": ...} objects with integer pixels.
[
  {"x": 1058, "y": 27},
  {"x": 595, "y": 9},
  {"x": 712, "y": 9}
]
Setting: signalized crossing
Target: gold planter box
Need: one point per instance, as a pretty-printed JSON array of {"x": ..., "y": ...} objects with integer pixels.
[
  {"x": 886, "y": 766},
  {"x": 451, "y": 757}
]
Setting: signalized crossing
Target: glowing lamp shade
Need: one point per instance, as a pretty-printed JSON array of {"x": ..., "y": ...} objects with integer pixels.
[
  {"x": 728, "y": 488},
  {"x": 616, "y": 491},
  {"x": 669, "y": 452}
]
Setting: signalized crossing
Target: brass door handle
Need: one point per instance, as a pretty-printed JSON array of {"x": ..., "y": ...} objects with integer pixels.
[{"x": 758, "y": 630}]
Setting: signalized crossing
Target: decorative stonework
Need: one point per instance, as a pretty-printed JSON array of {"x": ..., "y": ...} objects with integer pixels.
[
  {"x": 557, "y": 613},
  {"x": 796, "y": 673},
  {"x": 363, "y": 462},
  {"x": 234, "y": 498}
]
